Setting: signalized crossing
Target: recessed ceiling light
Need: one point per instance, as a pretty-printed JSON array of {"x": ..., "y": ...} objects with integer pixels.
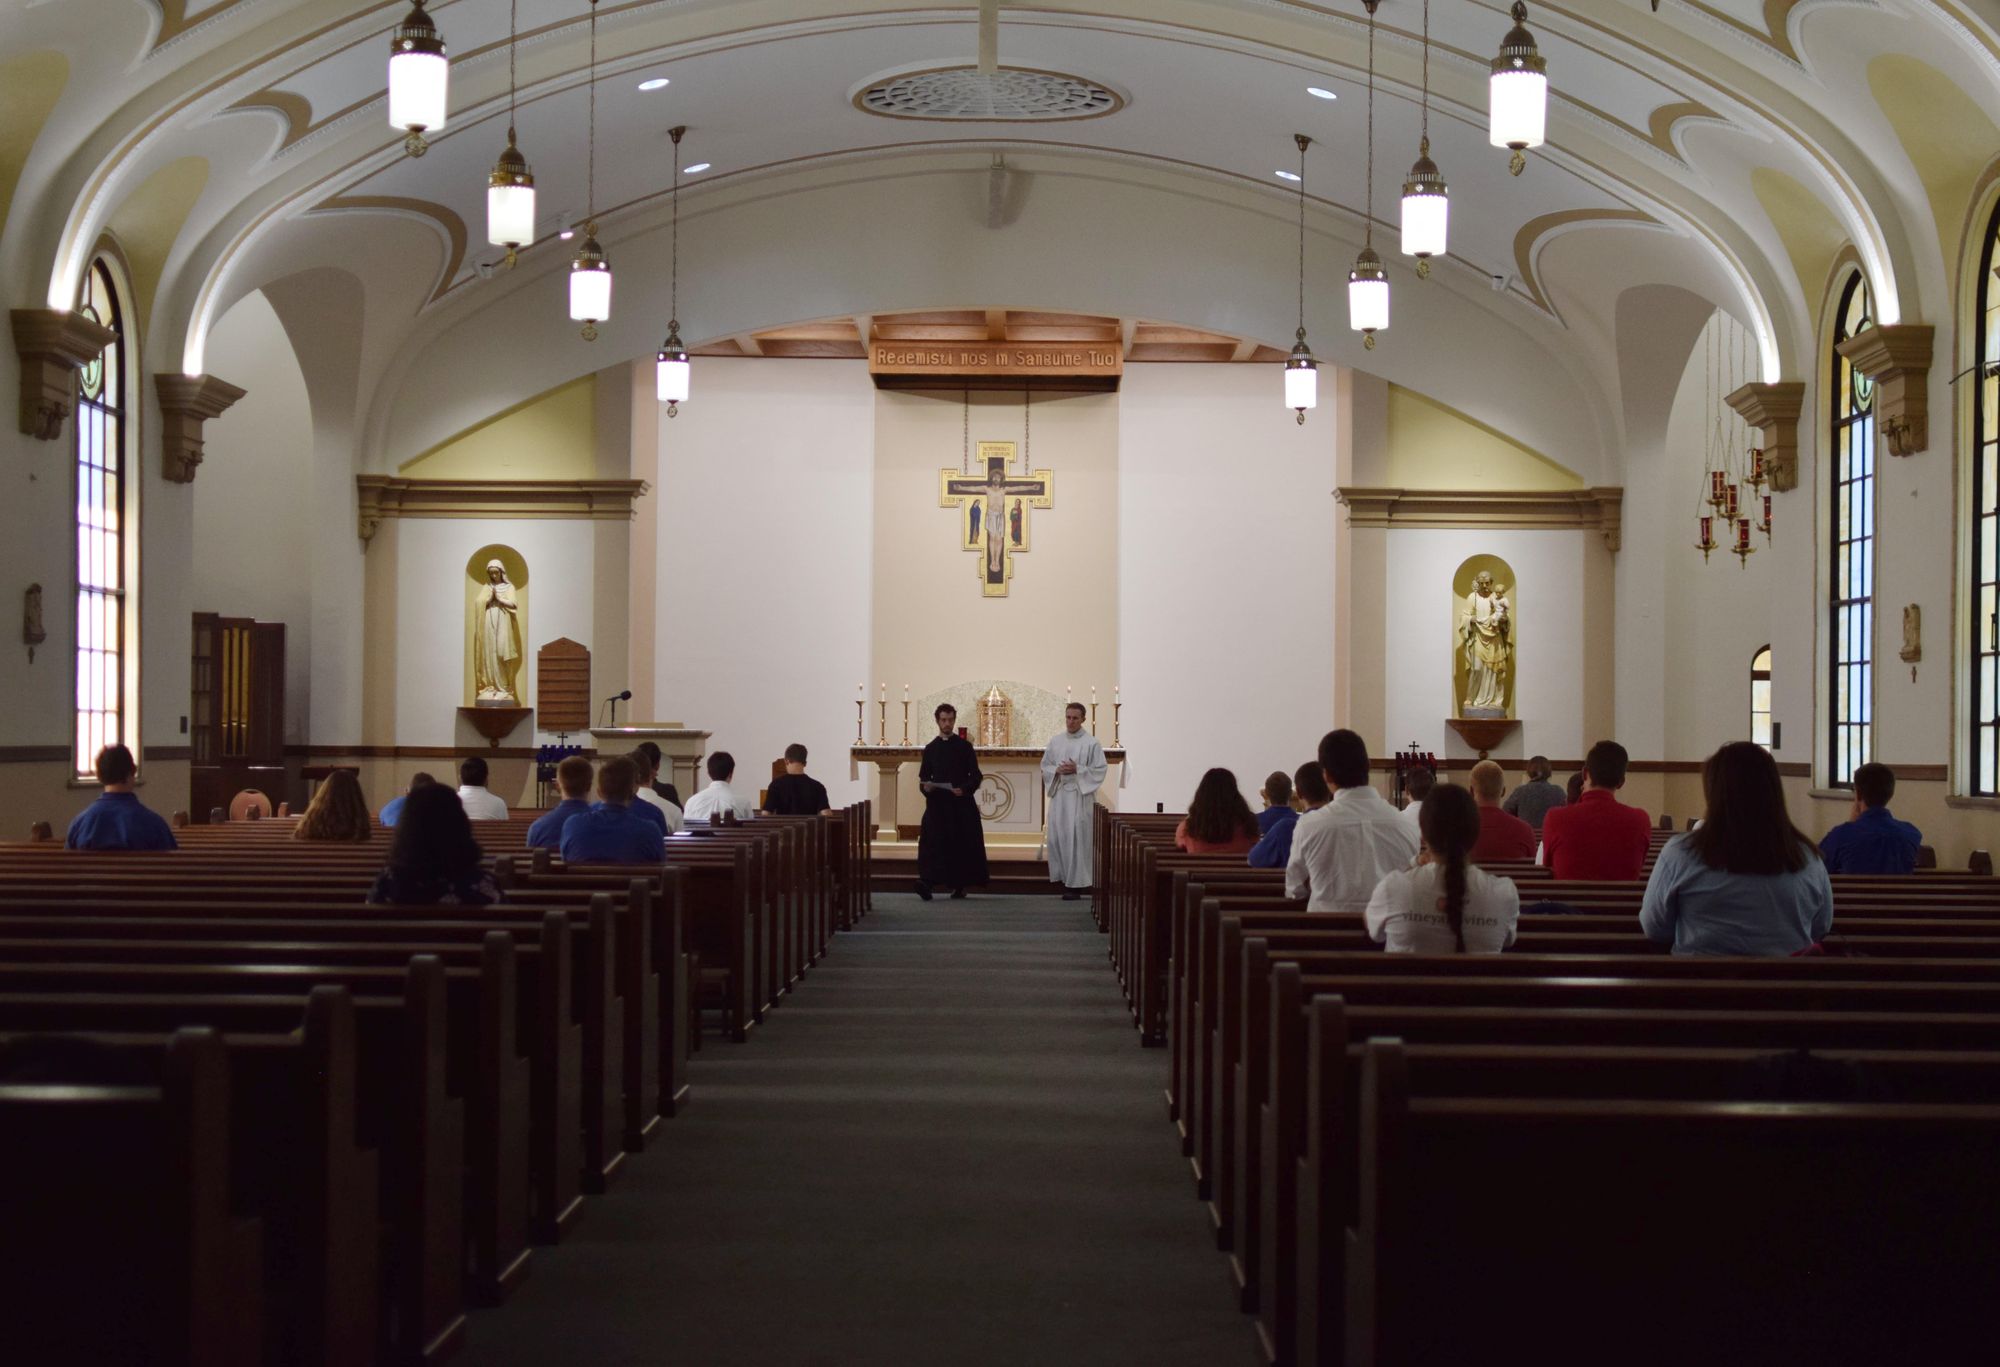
[
  {"x": 695, "y": 169},
  {"x": 1321, "y": 92},
  {"x": 656, "y": 83},
  {"x": 1286, "y": 175}
]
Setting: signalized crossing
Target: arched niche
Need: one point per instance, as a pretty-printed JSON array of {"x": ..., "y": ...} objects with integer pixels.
[
  {"x": 1470, "y": 646},
  {"x": 502, "y": 658}
]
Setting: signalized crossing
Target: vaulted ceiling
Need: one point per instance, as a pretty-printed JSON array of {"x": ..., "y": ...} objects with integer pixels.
[{"x": 1730, "y": 148}]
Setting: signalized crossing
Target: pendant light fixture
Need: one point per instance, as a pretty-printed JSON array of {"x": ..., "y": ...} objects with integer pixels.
[
  {"x": 510, "y": 190},
  {"x": 589, "y": 271},
  {"x": 670, "y": 367},
  {"x": 1368, "y": 283},
  {"x": 1301, "y": 371},
  {"x": 1518, "y": 92},
  {"x": 1426, "y": 198},
  {"x": 418, "y": 76}
]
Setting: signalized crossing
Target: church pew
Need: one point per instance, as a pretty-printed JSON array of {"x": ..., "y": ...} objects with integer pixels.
[
  {"x": 1302, "y": 1320},
  {"x": 1270, "y": 1076},
  {"x": 1793, "y": 1234},
  {"x": 573, "y": 1082},
  {"x": 128, "y": 1249},
  {"x": 719, "y": 914},
  {"x": 294, "y": 1163},
  {"x": 1232, "y": 1045},
  {"x": 403, "y": 1105},
  {"x": 1270, "y": 1083}
]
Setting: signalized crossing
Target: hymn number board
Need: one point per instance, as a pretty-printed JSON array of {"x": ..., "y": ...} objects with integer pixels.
[{"x": 993, "y": 511}]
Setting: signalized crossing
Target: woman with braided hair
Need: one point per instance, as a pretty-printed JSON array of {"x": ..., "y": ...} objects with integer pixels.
[{"x": 1443, "y": 904}]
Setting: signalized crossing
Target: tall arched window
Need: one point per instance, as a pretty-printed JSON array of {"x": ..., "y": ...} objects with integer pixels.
[
  {"x": 101, "y": 527},
  {"x": 1760, "y": 697},
  {"x": 1984, "y": 591},
  {"x": 1851, "y": 604}
]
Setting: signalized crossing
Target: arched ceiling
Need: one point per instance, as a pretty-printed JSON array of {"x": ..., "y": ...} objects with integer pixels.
[{"x": 1699, "y": 145}]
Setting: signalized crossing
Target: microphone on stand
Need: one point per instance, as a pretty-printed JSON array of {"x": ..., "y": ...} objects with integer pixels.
[{"x": 613, "y": 701}]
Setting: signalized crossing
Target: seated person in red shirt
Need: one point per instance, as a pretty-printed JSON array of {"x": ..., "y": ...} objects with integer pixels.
[
  {"x": 1501, "y": 834},
  {"x": 1597, "y": 836},
  {"x": 1218, "y": 820}
]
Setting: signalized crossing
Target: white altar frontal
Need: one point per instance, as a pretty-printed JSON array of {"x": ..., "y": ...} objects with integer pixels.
[{"x": 1012, "y": 805}]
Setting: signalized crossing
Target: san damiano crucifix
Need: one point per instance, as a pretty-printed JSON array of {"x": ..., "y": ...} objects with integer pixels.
[{"x": 993, "y": 511}]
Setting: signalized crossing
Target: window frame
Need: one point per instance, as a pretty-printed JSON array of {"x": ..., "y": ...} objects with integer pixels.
[
  {"x": 1852, "y": 488},
  {"x": 1761, "y": 674},
  {"x": 1982, "y": 564},
  {"x": 102, "y": 578}
]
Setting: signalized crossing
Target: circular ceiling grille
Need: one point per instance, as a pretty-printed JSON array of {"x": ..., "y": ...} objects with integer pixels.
[{"x": 1011, "y": 95}]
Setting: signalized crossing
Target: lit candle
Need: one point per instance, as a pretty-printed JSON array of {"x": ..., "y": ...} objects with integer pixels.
[
  {"x": 1743, "y": 534},
  {"x": 1729, "y": 494},
  {"x": 1093, "y": 695},
  {"x": 885, "y": 691},
  {"x": 1068, "y": 692},
  {"x": 906, "y": 692},
  {"x": 1715, "y": 483},
  {"x": 861, "y": 692}
]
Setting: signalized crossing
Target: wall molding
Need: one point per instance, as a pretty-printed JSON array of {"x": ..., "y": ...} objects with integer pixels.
[
  {"x": 1598, "y": 509},
  {"x": 385, "y": 496}
]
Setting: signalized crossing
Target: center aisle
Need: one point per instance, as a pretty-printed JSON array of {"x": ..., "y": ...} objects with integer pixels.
[{"x": 946, "y": 1146}]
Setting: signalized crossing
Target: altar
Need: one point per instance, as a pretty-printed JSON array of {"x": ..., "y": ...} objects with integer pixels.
[{"x": 1012, "y": 806}]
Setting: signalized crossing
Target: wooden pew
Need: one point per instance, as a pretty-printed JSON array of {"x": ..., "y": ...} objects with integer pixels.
[
  {"x": 127, "y": 1248},
  {"x": 404, "y": 1109},
  {"x": 295, "y": 1163},
  {"x": 1789, "y": 1233}
]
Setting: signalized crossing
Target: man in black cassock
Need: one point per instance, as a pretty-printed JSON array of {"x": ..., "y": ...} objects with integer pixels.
[{"x": 951, "y": 851}]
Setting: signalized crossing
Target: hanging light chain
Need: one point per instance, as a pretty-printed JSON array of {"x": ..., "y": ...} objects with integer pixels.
[
  {"x": 1426, "y": 116},
  {"x": 590, "y": 196},
  {"x": 513, "y": 22},
  {"x": 674, "y": 255},
  {"x": 1304, "y": 142},
  {"x": 1368, "y": 194}
]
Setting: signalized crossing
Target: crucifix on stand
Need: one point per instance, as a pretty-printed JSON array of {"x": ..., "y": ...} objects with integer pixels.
[{"x": 993, "y": 511}]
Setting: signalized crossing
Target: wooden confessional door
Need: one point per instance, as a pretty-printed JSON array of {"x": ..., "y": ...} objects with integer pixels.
[{"x": 236, "y": 717}]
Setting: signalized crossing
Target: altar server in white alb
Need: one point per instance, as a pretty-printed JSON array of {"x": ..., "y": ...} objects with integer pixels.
[{"x": 1072, "y": 771}]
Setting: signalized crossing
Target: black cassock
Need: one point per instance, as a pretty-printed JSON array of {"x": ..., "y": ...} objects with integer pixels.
[{"x": 951, "y": 851}]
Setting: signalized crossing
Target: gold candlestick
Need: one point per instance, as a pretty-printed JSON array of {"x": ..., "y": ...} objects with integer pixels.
[
  {"x": 906, "y": 721},
  {"x": 1115, "y": 708},
  {"x": 1093, "y": 716},
  {"x": 882, "y": 724},
  {"x": 860, "y": 737}
]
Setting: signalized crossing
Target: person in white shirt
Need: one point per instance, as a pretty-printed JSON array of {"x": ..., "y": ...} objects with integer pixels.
[
  {"x": 1342, "y": 850},
  {"x": 1418, "y": 785},
  {"x": 718, "y": 797},
  {"x": 650, "y": 795},
  {"x": 1445, "y": 905},
  {"x": 479, "y": 803}
]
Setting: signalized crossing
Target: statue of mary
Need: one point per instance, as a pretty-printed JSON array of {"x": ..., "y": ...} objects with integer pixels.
[{"x": 496, "y": 642}]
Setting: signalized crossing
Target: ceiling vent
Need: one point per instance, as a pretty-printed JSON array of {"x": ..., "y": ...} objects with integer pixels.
[{"x": 965, "y": 94}]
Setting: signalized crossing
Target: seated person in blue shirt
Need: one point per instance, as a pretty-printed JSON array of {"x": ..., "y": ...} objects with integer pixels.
[
  {"x": 1871, "y": 840},
  {"x": 393, "y": 808},
  {"x": 1274, "y": 824},
  {"x": 573, "y": 782},
  {"x": 611, "y": 832},
  {"x": 1746, "y": 880},
  {"x": 117, "y": 820}
]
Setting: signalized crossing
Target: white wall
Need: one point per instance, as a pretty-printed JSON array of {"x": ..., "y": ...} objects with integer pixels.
[
  {"x": 1226, "y": 568},
  {"x": 431, "y": 555},
  {"x": 765, "y": 508},
  {"x": 250, "y": 495},
  {"x": 1421, "y": 615}
]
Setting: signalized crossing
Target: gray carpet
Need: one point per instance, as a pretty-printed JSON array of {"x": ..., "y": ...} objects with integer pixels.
[{"x": 945, "y": 1146}]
